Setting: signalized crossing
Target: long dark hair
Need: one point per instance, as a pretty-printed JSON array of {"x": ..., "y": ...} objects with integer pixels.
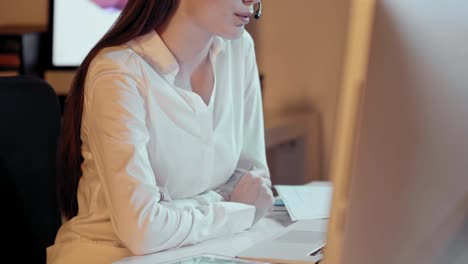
[{"x": 137, "y": 18}]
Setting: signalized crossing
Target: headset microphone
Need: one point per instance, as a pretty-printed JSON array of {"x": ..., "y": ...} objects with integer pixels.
[{"x": 258, "y": 12}]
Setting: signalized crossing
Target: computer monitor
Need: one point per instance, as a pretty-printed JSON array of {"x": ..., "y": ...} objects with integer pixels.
[
  {"x": 400, "y": 160},
  {"x": 77, "y": 25}
]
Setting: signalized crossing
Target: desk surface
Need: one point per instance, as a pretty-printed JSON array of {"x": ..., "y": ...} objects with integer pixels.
[{"x": 227, "y": 246}]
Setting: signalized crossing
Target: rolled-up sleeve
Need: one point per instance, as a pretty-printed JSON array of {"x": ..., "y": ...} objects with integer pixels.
[{"x": 118, "y": 139}]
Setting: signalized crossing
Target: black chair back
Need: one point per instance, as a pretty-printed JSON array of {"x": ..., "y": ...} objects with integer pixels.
[{"x": 29, "y": 133}]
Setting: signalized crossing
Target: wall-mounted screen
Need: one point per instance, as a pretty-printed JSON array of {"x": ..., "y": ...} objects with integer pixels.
[{"x": 77, "y": 25}]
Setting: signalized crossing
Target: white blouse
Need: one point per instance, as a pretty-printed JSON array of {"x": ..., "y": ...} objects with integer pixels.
[{"x": 159, "y": 163}]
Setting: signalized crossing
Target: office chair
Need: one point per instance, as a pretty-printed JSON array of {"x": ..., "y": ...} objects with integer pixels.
[{"x": 29, "y": 133}]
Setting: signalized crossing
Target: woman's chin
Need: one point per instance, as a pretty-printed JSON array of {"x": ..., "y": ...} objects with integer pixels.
[{"x": 235, "y": 33}]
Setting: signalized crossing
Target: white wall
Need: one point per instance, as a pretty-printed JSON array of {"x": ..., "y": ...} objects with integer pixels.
[{"x": 300, "y": 48}]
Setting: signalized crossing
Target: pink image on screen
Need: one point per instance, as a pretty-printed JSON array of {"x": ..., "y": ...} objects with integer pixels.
[{"x": 114, "y": 4}]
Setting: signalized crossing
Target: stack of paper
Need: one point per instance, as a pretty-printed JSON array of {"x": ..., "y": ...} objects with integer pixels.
[{"x": 311, "y": 201}]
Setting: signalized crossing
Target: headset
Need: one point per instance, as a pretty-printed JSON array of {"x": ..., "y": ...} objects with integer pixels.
[{"x": 258, "y": 12}]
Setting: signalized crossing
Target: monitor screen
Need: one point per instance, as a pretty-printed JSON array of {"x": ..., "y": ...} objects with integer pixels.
[
  {"x": 399, "y": 164},
  {"x": 78, "y": 25}
]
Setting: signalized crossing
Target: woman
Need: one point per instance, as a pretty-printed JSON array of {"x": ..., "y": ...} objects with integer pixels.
[{"x": 163, "y": 142}]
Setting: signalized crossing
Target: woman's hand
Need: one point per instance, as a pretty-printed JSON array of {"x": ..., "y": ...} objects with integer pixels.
[{"x": 254, "y": 189}]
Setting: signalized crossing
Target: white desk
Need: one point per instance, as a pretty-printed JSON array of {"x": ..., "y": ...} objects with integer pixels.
[{"x": 227, "y": 246}]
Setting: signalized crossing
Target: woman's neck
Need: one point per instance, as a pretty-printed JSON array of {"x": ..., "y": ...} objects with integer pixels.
[{"x": 189, "y": 43}]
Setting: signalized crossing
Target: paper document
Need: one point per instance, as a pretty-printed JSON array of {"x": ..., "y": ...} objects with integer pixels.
[{"x": 311, "y": 201}]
